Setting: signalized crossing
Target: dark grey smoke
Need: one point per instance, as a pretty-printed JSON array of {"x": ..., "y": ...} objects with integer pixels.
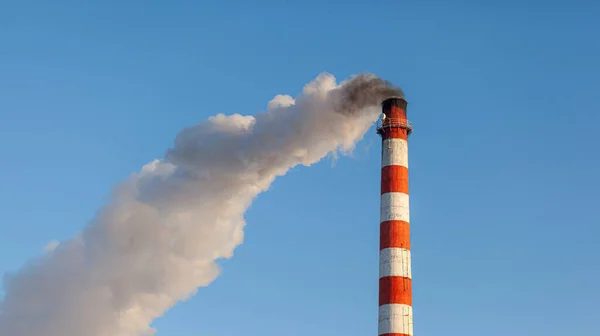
[{"x": 363, "y": 90}]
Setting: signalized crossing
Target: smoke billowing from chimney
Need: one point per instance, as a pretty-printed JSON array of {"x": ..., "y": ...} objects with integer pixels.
[
  {"x": 363, "y": 90},
  {"x": 157, "y": 240}
]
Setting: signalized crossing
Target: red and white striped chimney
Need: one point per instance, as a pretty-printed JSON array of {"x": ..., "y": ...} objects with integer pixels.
[{"x": 395, "y": 280}]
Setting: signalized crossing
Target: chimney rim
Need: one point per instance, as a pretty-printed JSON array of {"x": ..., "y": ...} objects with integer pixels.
[{"x": 393, "y": 98}]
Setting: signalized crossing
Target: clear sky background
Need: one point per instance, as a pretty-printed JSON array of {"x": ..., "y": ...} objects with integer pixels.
[{"x": 504, "y": 97}]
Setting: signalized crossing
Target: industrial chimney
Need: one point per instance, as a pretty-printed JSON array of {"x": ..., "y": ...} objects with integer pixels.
[{"x": 395, "y": 280}]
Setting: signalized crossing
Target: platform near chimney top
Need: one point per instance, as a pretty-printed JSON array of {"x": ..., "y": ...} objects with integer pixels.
[{"x": 381, "y": 125}]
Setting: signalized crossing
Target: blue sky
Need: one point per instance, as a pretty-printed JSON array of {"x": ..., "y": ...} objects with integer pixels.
[{"x": 503, "y": 158}]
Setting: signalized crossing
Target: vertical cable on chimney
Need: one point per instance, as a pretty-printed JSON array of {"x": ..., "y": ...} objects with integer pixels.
[{"x": 395, "y": 278}]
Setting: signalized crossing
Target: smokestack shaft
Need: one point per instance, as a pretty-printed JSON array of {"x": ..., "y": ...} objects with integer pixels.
[{"x": 395, "y": 278}]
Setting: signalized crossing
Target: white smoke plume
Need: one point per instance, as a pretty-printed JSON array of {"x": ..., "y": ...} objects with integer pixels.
[{"x": 157, "y": 240}]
